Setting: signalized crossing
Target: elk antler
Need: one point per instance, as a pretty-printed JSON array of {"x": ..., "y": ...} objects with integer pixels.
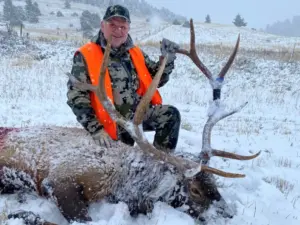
[
  {"x": 186, "y": 167},
  {"x": 217, "y": 114},
  {"x": 192, "y": 54}
]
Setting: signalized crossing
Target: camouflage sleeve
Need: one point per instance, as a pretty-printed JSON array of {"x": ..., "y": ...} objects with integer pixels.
[
  {"x": 153, "y": 68},
  {"x": 80, "y": 101}
]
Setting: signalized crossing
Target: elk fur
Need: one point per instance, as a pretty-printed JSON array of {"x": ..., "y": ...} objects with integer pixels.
[{"x": 67, "y": 157}]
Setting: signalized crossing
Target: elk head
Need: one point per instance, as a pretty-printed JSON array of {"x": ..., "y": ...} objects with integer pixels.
[{"x": 199, "y": 184}]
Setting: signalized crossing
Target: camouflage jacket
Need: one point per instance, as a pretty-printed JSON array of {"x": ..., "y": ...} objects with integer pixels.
[{"x": 124, "y": 83}]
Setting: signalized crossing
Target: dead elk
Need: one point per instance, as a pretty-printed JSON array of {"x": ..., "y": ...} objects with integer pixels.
[{"x": 65, "y": 165}]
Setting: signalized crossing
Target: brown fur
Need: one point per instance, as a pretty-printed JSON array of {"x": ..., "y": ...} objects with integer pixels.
[{"x": 81, "y": 172}]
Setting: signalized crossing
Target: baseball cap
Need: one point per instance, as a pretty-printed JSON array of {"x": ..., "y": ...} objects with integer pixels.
[{"x": 117, "y": 11}]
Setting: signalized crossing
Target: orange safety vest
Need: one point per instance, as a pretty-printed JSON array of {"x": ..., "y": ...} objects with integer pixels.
[{"x": 93, "y": 56}]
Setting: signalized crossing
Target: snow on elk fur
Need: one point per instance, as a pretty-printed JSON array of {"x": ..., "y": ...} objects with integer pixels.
[{"x": 65, "y": 165}]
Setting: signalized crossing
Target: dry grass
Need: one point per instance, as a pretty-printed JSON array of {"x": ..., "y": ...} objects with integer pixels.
[
  {"x": 149, "y": 44},
  {"x": 283, "y": 162},
  {"x": 283, "y": 185},
  {"x": 186, "y": 126},
  {"x": 3, "y": 214},
  {"x": 261, "y": 162},
  {"x": 23, "y": 61},
  {"x": 78, "y": 41}
]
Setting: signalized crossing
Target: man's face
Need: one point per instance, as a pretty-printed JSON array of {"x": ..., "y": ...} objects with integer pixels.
[{"x": 116, "y": 27}]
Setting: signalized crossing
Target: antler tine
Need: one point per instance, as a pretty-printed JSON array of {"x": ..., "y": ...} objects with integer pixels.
[
  {"x": 230, "y": 60},
  {"x": 211, "y": 121},
  {"x": 100, "y": 91},
  {"x": 143, "y": 105},
  {"x": 192, "y": 53},
  {"x": 230, "y": 155},
  {"x": 207, "y": 151},
  {"x": 221, "y": 173}
]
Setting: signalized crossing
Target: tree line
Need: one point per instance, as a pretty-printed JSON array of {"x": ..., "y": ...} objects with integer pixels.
[
  {"x": 16, "y": 15},
  {"x": 238, "y": 21},
  {"x": 286, "y": 27}
]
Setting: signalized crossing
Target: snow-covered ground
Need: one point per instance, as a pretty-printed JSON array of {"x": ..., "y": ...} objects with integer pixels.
[{"x": 33, "y": 92}]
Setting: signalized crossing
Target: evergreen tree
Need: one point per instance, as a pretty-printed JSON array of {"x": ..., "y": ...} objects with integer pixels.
[
  {"x": 59, "y": 14},
  {"x": 18, "y": 16},
  {"x": 31, "y": 12},
  {"x": 89, "y": 21},
  {"x": 93, "y": 19},
  {"x": 36, "y": 9},
  {"x": 207, "y": 19},
  {"x": 14, "y": 15},
  {"x": 239, "y": 21},
  {"x": 74, "y": 14},
  {"x": 87, "y": 29},
  {"x": 176, "y": 22},
  {"x": 28, "y": 8},
  {"x": 186, "y": 24},
  {"x": 20, "y": 12},
  {"x": 8, "y": 10},
  {"x": 67, "y": 4}
]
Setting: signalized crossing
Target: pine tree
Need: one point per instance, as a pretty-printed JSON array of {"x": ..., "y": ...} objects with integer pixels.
[
  {"x": 86, "y": 27},
  {"x": 20, "y": 12},
  {"x": 59, "y": 14},
  {"x": 12, "y": 14},
  {"x": 67, "y": 4},
  {"x": 93, "y": 19},
  {"x": 239, "y": 21},
  {"x": 28, "y": 8},
  {"x": 176, "y": 22},
  {"x": 32, "y": 12},
  {"x": 18, "y": 16},
  {"x": 7, "y": 10},
  {"x": 36, "y": 9},
  {"x": 186, "y": 24},
  {"x": 207, "y": 19}
]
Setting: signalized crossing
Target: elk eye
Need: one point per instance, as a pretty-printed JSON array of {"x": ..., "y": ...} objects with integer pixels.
[{"x": 195, "y": 191}]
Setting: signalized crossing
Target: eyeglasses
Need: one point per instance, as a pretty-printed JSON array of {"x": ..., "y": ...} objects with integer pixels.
[{"x": 114, "y": 27}]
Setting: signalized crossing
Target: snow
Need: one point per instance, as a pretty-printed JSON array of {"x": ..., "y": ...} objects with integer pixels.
[{"x": 33, "y": 92}]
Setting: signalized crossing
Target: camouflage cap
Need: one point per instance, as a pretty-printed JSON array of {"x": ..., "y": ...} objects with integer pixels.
[{"x": 117, "y": 11}]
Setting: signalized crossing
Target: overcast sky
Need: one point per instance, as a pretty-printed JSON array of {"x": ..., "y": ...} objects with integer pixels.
[{"x": 257, "y": 13}]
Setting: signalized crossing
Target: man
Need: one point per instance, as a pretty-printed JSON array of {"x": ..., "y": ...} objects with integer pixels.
[{"x": 130, "y": 73}]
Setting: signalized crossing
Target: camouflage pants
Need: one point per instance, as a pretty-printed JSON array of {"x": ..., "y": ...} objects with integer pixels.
[{"x": 165, "y": 121}]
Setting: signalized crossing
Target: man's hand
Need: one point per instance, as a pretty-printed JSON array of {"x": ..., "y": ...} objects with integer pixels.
[
  {"x": 101, "y": 138},
  {"x": 168, "y": 47}
]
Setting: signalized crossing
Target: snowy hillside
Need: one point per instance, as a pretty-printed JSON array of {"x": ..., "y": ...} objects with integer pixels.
[
  {"x": 51, "y": 26},
  {"x": 33, "y": 92},
  {"x": 226, "y": 35},
  {"x": 57, "y": 27}
]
